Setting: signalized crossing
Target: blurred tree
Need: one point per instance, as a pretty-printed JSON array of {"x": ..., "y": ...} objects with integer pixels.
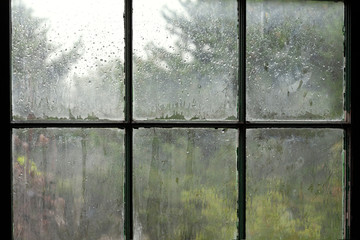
[
  {"x": 101, "y": 91},
  {"x": 202, "y": 204},
  {"x": 200, "y": 65},
  {"x": 38, "y": 66},
  {"x": 67, "y": 187},
  {"x": 184, "y": 190},
  {"x": 294, "y": 55}
]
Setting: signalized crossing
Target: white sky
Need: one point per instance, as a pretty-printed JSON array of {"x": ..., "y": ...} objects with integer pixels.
[{"x": 100, "y": 25}]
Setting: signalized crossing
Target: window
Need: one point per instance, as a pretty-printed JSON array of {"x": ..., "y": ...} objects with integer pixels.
[{"x": 181, "y": 120}]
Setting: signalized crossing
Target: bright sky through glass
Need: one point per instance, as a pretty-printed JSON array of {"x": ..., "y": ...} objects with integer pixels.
[{"x": 70, "y": 20}]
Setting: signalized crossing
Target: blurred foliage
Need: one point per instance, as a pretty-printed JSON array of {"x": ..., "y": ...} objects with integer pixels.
[
  {"x": 293, "y": 193},
  {"x": 185, "y": 182},
  {"x": 201, "y": 65},
  {"x": 294, "y": 55},
  {"x": 38, "y": 66},
  {"x": 66, "y": 184}
]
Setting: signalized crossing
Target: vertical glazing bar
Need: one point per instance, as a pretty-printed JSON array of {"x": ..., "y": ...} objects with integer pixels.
[
  {"x": 241, "y": 166},
  {"x": 128, "y": 184},
  {"x": 128, "y": 60},
  {"x": 347, "y": 137},
  {"x": 242, "y": 60},
  {"x": 128, "y": 118},
  {"x": 347, "y": 53},
  {"x": 9, "y": 181},
  {"x": 8, "y": 57},
  {"x": 346, "y": 179},
  {"x": 6, "y": 94},
  {"x": 242, "y": 118}
]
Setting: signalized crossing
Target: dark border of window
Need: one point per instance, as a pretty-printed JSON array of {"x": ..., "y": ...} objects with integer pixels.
[
  {"x": 354, "y": 11},
  {"x": 351, "y": 125}
]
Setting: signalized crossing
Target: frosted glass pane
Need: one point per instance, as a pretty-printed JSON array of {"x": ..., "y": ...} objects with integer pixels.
[
  {"x": 185, "y": 184},
  {"x": 295, "y": 60},
  {"x": 185, "y": 60},
  {"x": 67, "y": 184},
  {"x": 294, "y": 184},
  {"x": 67, "y": 59}
]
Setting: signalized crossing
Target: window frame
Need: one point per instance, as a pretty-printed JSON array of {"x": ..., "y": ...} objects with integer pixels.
[{"x": 350, "y": 125}]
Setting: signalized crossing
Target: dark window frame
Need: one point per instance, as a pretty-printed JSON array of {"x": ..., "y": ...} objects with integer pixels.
[{"x": 350, "y": 125}]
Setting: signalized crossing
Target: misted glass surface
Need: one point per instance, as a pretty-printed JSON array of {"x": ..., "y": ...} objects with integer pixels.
[
  {"x": 295, "y": 60},
  {"x": 294, "y": 184},
  {"x": 185, "y": 184},
  {"x": 67, "y": 59},
  {"x": 185, "y": 60},
  {"x": 67, "y": 184}
]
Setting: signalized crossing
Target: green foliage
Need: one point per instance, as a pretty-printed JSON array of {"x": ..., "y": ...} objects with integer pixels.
[
  {"x": 185, "y": 181},
  {"x": 271, "y": 218},
  {"x": 211, "y": 211},
  {"x": 69, "y": 190},
  {"x": 298, "y": 195},
  {"x": 185, "y": 186},
  {"x": 28, "y": 163}
]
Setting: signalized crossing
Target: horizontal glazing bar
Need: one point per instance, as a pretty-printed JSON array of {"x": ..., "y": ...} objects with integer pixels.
[
  {"x": 68, "y": 124},
  {"x": 180, "y": 124},
  {"x": 298, "y": 124},
  {"x": 194, "y": 124}
]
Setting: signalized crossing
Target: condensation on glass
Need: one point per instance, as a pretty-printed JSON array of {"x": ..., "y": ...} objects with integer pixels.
[
  {"x": 67, "y": 184},
  {"x": 295, "y": 60},
  {"x": 185, "y": 184},
  {"x": 185, "y": 60},
  {"x": 67, "y": 59},
  {"x": 294, "y": 184}
]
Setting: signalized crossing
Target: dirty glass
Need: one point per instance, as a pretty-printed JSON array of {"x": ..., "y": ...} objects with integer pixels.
[
  {"x": 294, "y": 184},
  {"x": 66, "y": 184},
  {"x": 185, "y": 60},
  {"x": 67, "y": 59},
  {"x": 295, "y": 60},
  {"x": 185, "y": 184}
]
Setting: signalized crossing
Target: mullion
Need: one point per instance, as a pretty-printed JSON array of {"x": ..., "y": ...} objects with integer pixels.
[
  {"x": 242, "y": 60},
  {"x": 347, "y": 132},
  {"x": 128, "y": 185},
  {"x": 347, "y": 55},
  {"x": 241, "y": 150},
  {"x": 348, "y": 143},
  {"x": 347, "y": 107},
  {"x": 346, "y": 171},
  {"x": 241, "y": 172}
]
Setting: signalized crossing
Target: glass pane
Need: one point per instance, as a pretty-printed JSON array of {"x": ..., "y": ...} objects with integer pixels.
[
  {"x": 67, "y": 59},
  {"x": 294, "y": 184},
  {"x": 295, "y": 60},
  {"x": 185, "y": 60},
  {"x": 185, "y": 184},
  {"x": 67, "y": 184}
]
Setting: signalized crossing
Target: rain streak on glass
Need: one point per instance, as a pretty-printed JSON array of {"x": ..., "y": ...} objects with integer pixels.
[
  {"x": 295, "y": 60},
  {"x": 185, "y": 60},
  {"x": 66, "y": 184},
  {"x": 294, "y": 184},
  {"x": 185, "y": 184},
  {"x": 67, "y": 60}
]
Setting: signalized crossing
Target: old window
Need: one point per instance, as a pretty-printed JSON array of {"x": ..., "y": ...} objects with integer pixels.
[{"x": 180, "y": 119}]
